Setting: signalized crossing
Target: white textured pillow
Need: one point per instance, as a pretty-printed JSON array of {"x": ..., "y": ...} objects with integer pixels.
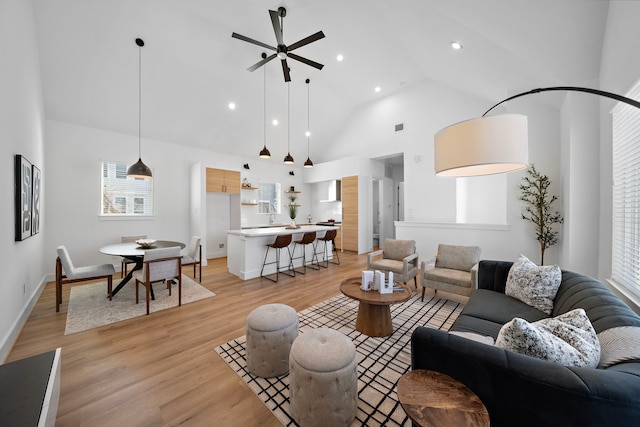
[
  {"x": 568, "y": 339},
  {"x": 534, "y": 285},
  {"x": 619, "y": 345}
]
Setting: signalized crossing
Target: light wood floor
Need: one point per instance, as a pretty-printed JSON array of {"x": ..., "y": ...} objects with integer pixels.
[{"x": 161, "y": 369}]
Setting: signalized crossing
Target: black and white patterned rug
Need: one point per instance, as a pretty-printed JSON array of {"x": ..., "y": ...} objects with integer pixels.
[{"x": 381, "y": 361}]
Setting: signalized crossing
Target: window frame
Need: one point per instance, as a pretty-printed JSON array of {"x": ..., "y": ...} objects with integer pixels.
[{"x": 130, "y": 189}]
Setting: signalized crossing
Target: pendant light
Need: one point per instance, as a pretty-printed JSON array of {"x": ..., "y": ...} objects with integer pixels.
[
  {"x": 264, "y": 153},
  {"x": 139, "y": 169},
  {"x": 288, "y": 160},
  {"x": 308, "y": 163}
]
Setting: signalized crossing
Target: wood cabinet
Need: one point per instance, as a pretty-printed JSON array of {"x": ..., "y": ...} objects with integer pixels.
[
  {"x": 223, "y": 181},
  {"x": 349, "y": 241}
]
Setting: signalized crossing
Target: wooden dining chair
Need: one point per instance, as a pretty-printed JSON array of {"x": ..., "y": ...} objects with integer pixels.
[
  {"x": 160, "y": 265},
  {"x": 66, "y": 272},
  {"x": 193, "y": 256},
  {"x": 125, "y": 261}
]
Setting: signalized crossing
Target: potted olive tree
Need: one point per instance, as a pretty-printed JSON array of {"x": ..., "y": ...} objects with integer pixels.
[{"x": 534, "y": 191}]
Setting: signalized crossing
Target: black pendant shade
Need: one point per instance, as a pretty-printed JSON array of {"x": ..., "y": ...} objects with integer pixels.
[
  {"x": 264, "y": 153},
  {"x": 139, "y": 169},
  {"x": 308, "y": 163}
]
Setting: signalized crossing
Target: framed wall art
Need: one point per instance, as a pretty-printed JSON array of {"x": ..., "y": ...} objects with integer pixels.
[
  {"x": 23, "y": 197},
  {"x": 36, "y": 178}
]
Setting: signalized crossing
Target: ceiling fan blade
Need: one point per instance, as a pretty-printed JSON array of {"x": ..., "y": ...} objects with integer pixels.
[
  {"x": 249, "y": 40},
  {"x": 277, "y": 29},
  {"x": 317, "y": 36},
  {"x": 261, "y": 63},
  {"x": 305, "y": 60},
  {"x": 285, "y": 70}
]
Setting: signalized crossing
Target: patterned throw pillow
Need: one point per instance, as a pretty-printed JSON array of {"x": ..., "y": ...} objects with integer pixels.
[
  {"x": 619, "y": 345},
  {"x": 534, "y": 285},
  {"x": 568, "y": 339}
]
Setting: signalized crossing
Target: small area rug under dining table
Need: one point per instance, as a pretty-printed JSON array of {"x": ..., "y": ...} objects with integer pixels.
[
  {"x": 381, "y": 361},
  {"x": 89, "y": 306}
]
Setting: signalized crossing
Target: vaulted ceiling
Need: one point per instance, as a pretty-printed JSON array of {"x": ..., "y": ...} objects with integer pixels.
[{"x": 192, "y": 68}]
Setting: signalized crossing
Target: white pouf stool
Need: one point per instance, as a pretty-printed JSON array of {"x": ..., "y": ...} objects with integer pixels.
[
  {"x": 270, "y": 331},
  {"x": 323, "y": 379}
]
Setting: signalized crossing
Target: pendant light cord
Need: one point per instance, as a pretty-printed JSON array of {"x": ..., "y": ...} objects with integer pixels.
[
  {"x": 264, "y": 104},
  {"x": 308, "y": 129},
  {"x": 139, "y": 101},
  {"x": 288, "y": 119}
]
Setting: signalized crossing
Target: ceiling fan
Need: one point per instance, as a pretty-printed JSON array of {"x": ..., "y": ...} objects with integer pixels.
[{"x": 282, "y": 50}]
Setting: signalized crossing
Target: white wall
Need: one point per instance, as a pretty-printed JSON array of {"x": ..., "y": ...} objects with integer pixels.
[
  {"x": 21, "y": 132},
  {"x": 73, "y": 158}
]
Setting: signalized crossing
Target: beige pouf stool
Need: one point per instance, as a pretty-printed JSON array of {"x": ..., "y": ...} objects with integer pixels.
[
  {"x": 323, "y": 379},
  {"x": 271, "y": 329}
]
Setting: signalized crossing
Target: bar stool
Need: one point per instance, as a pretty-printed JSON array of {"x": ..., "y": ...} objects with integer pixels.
[
  {"x": 282, "y": 241},
  {"x": 307, "y": 239},
  {"x": 329, "y": 236}
]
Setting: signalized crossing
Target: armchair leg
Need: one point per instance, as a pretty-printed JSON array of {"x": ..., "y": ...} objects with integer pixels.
[
  {"x": 415, "y": 282},
  {"x": 422, "y": 299}
]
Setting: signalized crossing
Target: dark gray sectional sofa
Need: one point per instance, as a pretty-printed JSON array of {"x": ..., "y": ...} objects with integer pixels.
[{"x": 520, "y": 390}]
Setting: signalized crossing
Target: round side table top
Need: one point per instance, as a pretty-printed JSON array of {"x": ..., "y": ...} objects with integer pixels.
[
  {"x": 434, "y": 399},
  {"x": 351, "y": 288}
]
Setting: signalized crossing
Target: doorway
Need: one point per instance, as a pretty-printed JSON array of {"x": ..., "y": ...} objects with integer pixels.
[{"x": 387, "y": 199}]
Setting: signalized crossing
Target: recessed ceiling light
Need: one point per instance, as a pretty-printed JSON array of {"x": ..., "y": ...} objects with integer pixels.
[
  {"x": 340, "y": 57},
  {"x": 232, "y": 106},
  {"x": 377, "y": 89},
  {"x": 275, "y": 122},
  {"x": 456, "y": 45},
  {"x": 307, "y": 133}
]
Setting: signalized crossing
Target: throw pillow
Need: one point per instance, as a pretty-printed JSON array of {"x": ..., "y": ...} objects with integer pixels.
[
  {"x": 534, "y": 285},
  {"x": 568, "y": 339},
  {"x": 619, "y": 345}
]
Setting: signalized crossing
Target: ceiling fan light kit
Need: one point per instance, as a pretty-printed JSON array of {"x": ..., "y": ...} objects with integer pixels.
[{"x": 281, "y": 50}]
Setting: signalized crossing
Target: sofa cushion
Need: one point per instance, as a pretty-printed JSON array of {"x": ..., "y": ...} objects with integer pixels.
[
  {"x": 568, "y": 339},
  {"x": 398, "y": 249},
  {"x": 534, "y": 285},
  {"x": 452, "y": 277},
  {"x": 618, "y": 345},
  {"x": 500, "y": 308},
  {"x": 457, "y": 257}
]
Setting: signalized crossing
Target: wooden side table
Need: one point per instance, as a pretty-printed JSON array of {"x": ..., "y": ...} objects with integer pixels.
[
  {"x": 434, "y": 399},
  {"x": 374, "y": 313}
]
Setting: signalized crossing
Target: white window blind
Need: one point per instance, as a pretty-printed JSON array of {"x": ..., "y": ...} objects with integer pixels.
[
  {"x": 122, "y": 195},
  {"x": 625, "y": 264}
]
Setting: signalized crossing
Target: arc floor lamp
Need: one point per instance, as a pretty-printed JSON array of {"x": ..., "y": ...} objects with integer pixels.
[{"x": 494, "y": 144}]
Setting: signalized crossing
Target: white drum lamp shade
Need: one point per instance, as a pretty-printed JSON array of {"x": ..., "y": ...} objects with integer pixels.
[{"x": 482, "y": 146}]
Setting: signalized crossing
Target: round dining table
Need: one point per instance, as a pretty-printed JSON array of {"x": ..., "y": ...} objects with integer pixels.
[{"x": 134, "y": 252}]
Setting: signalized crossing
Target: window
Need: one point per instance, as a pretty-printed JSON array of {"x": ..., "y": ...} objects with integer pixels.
[
  {"x": 625, "y": 262},
  {"x": 269, "y": 198},
  {"x": 122, "y": 195}
]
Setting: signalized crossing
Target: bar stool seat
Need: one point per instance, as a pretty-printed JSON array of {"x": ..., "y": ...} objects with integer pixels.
[
  {"x": 282, "y": 241},
  {"x": 329, "y": 236},
  {"x": 307, "y": 239}
]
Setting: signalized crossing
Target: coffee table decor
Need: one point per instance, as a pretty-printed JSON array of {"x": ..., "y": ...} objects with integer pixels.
[{"x": 381, "y": 361}]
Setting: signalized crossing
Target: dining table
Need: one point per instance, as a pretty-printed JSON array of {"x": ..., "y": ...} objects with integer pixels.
[{"x": 134, "y": 252}]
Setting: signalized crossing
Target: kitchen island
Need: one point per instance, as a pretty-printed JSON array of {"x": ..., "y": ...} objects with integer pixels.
[{"x": 246, "y": 249}]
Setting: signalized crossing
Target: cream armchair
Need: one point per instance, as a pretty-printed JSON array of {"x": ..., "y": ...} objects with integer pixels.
[
  {"x": 398, "y": 256},
  {"x": 454, "y": 269}
]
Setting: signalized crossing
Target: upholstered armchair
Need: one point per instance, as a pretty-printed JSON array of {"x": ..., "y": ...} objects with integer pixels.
[
  {"x": 454, "y": 269},
  {"x": 398, "y": 256}
]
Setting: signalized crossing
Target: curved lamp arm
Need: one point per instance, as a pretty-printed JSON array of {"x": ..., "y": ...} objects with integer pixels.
[{"x": 574, "y": 89}]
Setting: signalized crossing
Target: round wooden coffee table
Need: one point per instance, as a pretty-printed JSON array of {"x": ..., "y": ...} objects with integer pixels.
[
  {"x": 434, "y": 399},
  {"x": 374, "y": 314}
]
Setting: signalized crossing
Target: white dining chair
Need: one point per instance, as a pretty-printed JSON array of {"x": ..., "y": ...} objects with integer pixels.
[
  {"x": 193, "y": 256},
  {"x": 160, "y": 265}
]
